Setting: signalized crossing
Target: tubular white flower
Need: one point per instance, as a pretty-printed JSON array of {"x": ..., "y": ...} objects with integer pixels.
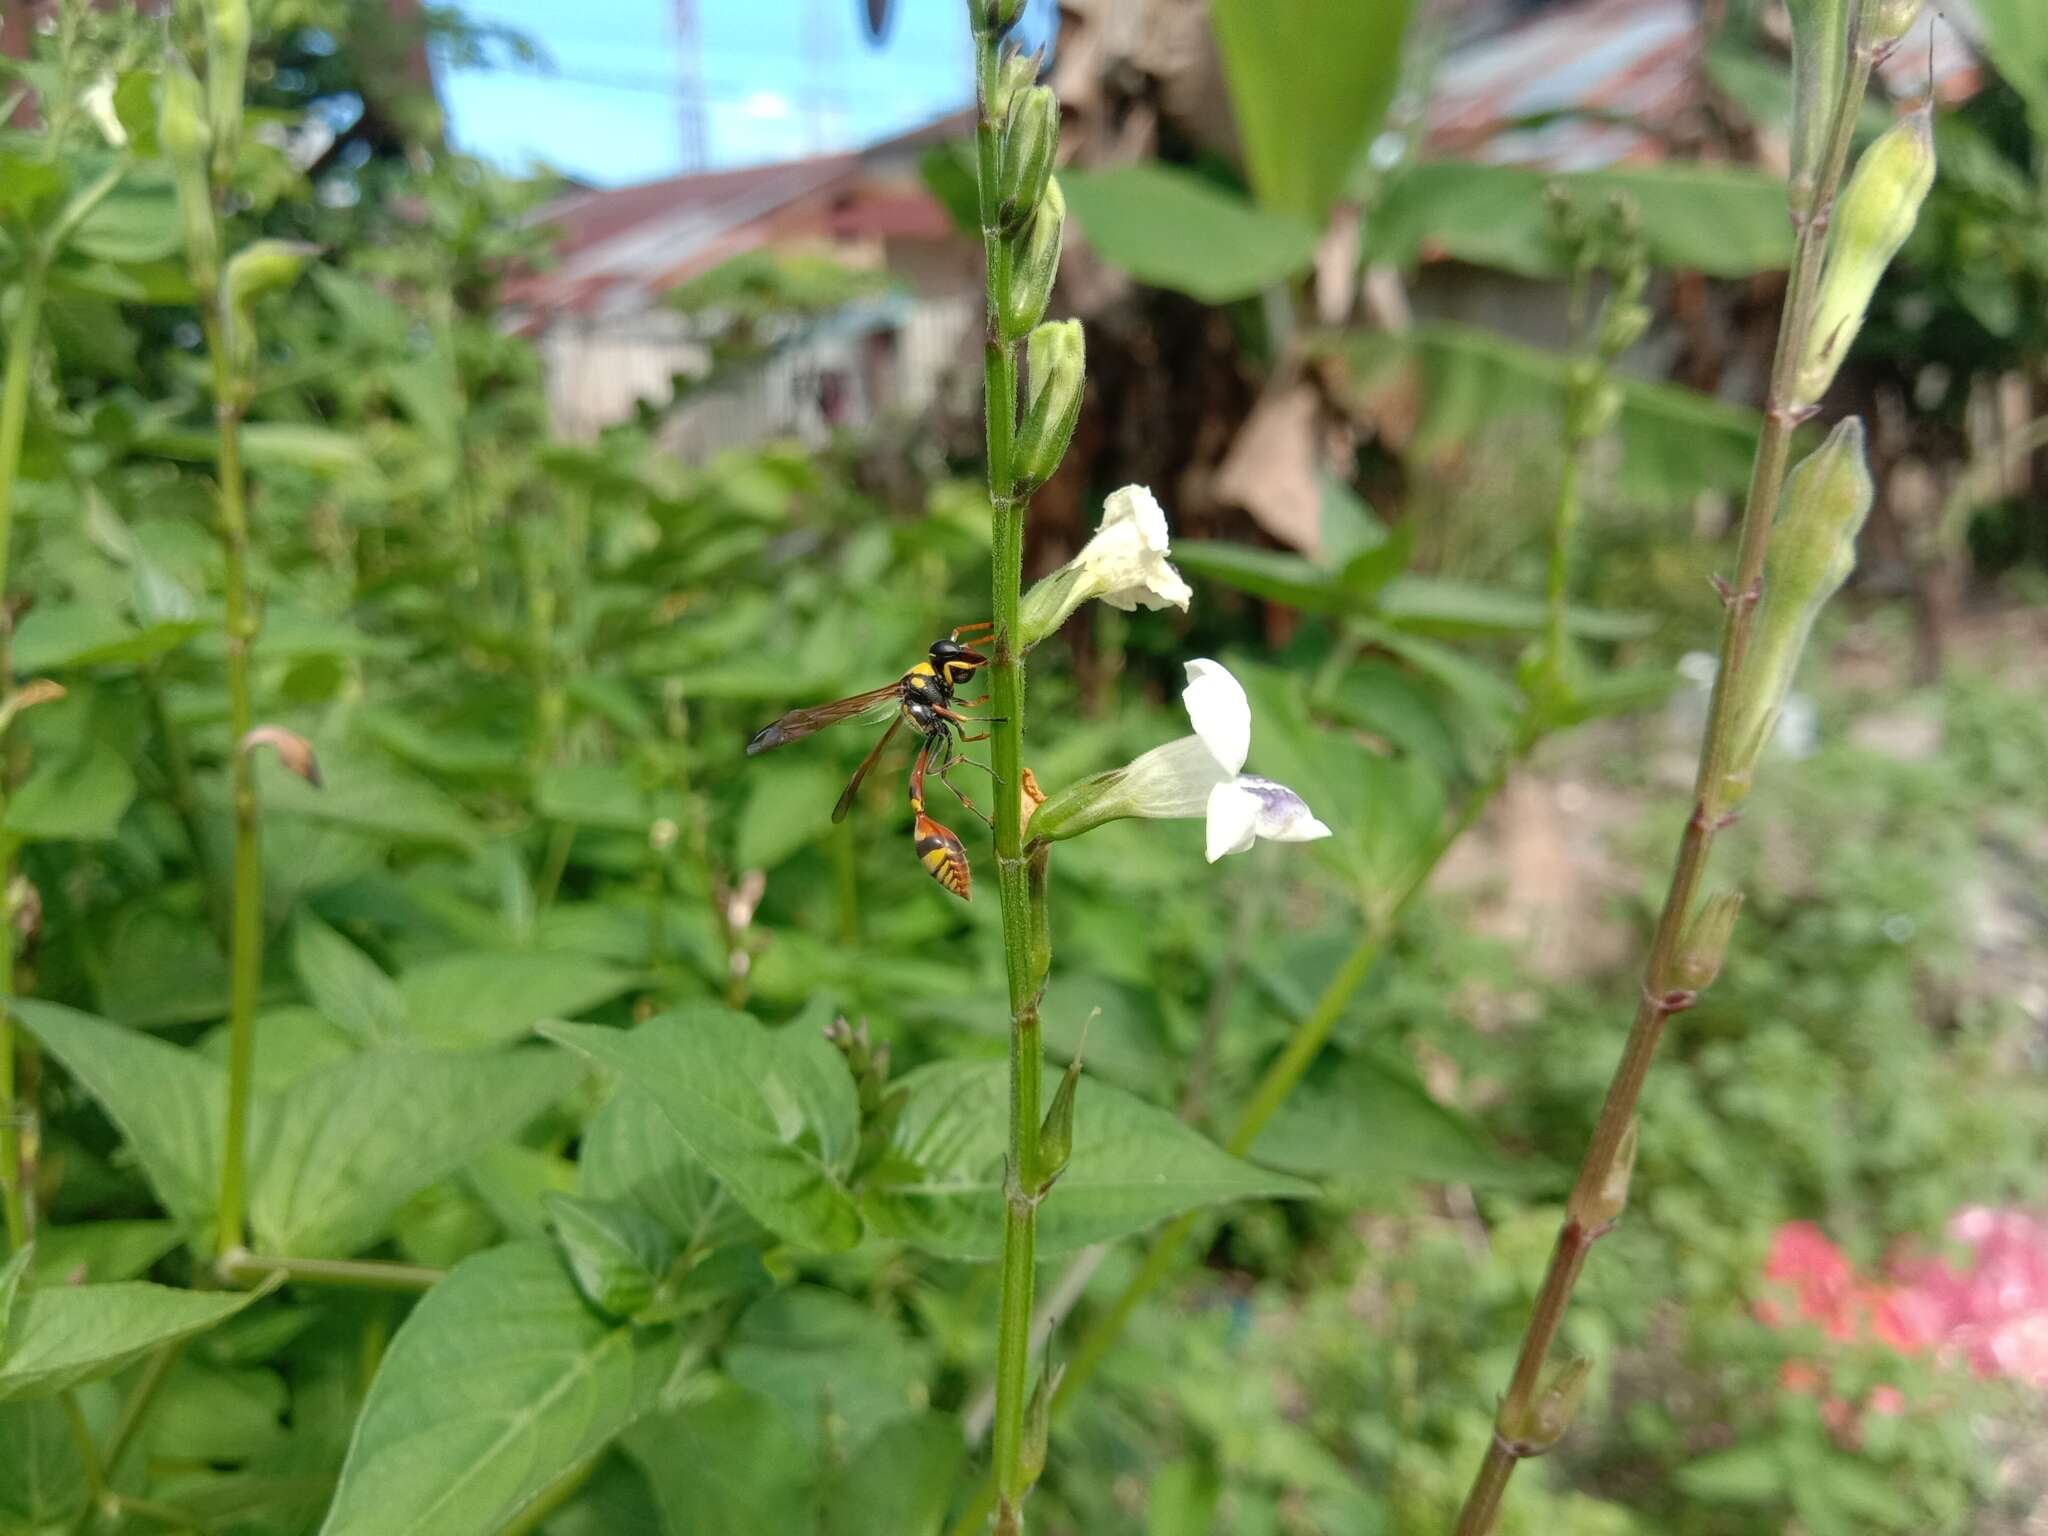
[
  {"x": 97, "y": 100},
  {"x": 1199, "y": 775},
  {"x": 1124, "y": 564}
]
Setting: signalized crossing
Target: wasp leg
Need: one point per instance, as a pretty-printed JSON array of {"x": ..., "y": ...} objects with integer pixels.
[
  {"x": 945, "y": 778},
  {"x": 985, "y": 627}
]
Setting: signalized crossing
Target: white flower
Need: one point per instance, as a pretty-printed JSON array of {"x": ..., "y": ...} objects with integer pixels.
[
  {"x": 1125, "y": 563},
  {"x": 1203, "y": 774},
  {"x": 98, "y": 101}
]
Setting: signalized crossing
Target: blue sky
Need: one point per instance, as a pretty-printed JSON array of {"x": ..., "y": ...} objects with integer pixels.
[{"x": 781, "y": 78}]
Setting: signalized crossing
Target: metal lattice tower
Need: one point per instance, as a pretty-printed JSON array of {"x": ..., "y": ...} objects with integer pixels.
[{"x": 689, "y": 86}]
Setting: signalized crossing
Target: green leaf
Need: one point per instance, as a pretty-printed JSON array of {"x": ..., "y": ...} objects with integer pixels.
[
  {"x": 771, "y": 1112},
  {"x": 1723, "y": 220},
  {"x": 948, "y": 171},
  {"x": 838, "y": 1370},
  {"x": 900, "y": 1484},
  {"x": 729, "y": 1462},
  {"x": 1472, "y": 386},
  {"x": 268, "y": 445},
  {"x": 617, "y": 1252},
  {"x": 1371, "y": 1118},
  {"x": 81, "y": 797},
  {"x": 64, "y": 1335},
  {"x": 339, "y": 1152},
  {"x": 136, "y": 222},
  {"x": 1439, "y": 605},
  {"x": 941, "y": 1188},
  {"x": 366, "y": 794},
  {"x": 10, "y": 1287},
  {"x": 1174, "y": 229},
  {"x": 631, "y": 1153},
  {"x": 1745, "y": 1474},
  {"x": 101, "y": 1250},
  {"x": 42, "y": 1478},
  {"x": 168, "y": 1103},
  {"x": 346, "y": 985},
  {"x": 601, "y": 795},
  {"x": 500, "y": 1381},
  {"x": 2018, "y": 44},
  {"x": 54, "y": 637},
  {"x": 1273, "y": 574},
  {"x": 481, "y": 998},
  {"x": 1309, "y": 85},
  {"x": 789, "y": 807}
]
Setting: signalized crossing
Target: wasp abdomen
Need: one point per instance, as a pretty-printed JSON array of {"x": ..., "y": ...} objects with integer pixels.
[{"x": 942, "y": 856}]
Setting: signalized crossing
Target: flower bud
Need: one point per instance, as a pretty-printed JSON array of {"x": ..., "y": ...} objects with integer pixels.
[
  {"x": 1597, "y": 1204},
  {"x": 1876, "y": 213},
  {"x": 1031, "y": 137},
  {"x": 227, "y": 67},
  {"x": 1622, "y": 325},
  {"x": 1018, "y": 71},
  {"x": 1057, "y": 358},
  {"x": 292, "y": 749},
  {"x": 181, "y": 128},
  {"x": 264, "y": 267},
  {"x": 1706, "y": 941},
  {"x": 36, "y": 691},
  {"x": 1886, "y": 21},
  {"x": 1535, "y": 1427},
  {"x": 993, "y": 16},
  {"x": 1820, "y": 68},
  {"x": 1034, "y": 264},
  {"x": 1813, "y": 549}
]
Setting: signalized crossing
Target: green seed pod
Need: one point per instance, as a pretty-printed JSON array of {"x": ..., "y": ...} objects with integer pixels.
[
  {"x": 1034, "y": 264},
  {"x": 1820, "y": 69},
  {"x": 1031, "y": 137},
  {"x": 1056, "y": 1135},
  {"x": 1813, "y": 549},
  {"x": 227, "y": 68},
  {"x": 1057, "y": 357},
  {"x": 1622, "y": 324},
  {"x": 1599, "y": 1206},
  {"x": 1876, "y": 213},
  {"x": 1886, "y": 21},
  {"x": 181, "y": 128},
  {"x": 1038, "y": 1427},
  {"x": 1705, "y": 943}
]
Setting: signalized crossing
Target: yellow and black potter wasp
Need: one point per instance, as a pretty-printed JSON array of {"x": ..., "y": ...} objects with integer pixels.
[{"x": 924, "y": 696}]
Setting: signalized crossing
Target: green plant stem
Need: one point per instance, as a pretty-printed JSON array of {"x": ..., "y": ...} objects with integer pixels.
[
  {"x": 134, "y": 1411},
  {"x": 88, "y": 1453},
  {"x": 1281, "y": 1078},
  {"x": 1564, "y": 522},
  {"x": 1022, "y": 897},
  {"x": 21, "y": 349},
  {"x": 238, "y": 1266},
  {"x": 245, "y": 937},
  {"x": 1661, "y": 998}
]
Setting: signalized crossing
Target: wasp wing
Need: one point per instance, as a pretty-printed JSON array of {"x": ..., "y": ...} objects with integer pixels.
[
  {"x": 799, "y": 723},
  {"x": 853, "y": 784}
]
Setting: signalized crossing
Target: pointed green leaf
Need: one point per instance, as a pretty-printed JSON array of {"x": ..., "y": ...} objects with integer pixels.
[
  {"x": 771, "y": 1112},
  {"x": 838, "y": 1369},
  {"x": 901, "y": 1483},
  {"x": 729, "y": 1462},
  {"x": 501, "y": 1380},
  {"x": 10, "y": 1286},
  {"x": 101, "y": 1250},
  {"x": 67, "y": 1334},
  {"x": 1134, "y": 1164},
  {"x": 617, "y": 1252},
  {"x": 630, "y": 1152},
  {"x": 336, "y": 1154},
  {"x": 483, "y": 998},
  {"x": 169, "y": 1103},
  {"x": 42, "y": 1479},
  {"x": 82, "y": 796},
  {"x": 345, "y": 984},
  {"x": 1173, "y": 229}
]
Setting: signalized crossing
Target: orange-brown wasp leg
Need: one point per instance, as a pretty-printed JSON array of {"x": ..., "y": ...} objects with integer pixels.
[{"x": 985, "y": 627}]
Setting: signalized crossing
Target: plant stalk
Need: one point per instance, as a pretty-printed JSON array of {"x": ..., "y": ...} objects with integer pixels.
[
  {"x": 21, "y": 348},
  {"x": 241, "y": 1267},
  {"x": 1022, "y": 898},
  {"x": 245, "y": 942},
  {"x": 1281, "y": 1078},
  {"x": 1661, "y": 998}
]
